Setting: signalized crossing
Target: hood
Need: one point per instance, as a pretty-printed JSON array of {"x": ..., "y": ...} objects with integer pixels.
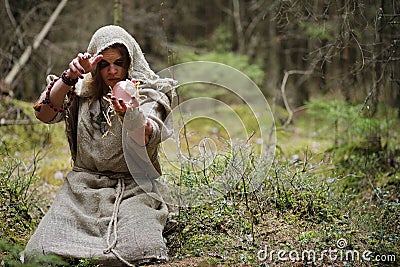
[
  {"x": 139, "y": 68},
  {"x": 111, "y": 34}
]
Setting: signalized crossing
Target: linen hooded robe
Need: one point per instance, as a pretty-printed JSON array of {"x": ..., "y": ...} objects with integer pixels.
[{"x": 109, "y": 207}]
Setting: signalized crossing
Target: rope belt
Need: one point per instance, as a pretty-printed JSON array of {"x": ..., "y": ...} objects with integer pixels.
[
  {"x": 119, "y": 192},
  {"x": 112, "y": 226}
]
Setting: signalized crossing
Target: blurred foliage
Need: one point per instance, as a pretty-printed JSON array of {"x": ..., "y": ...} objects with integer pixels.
[
  {"x": 12, "y": 257},
  {"x": 234, "y": 60},
  {"x": 354, "y": 123},
  {"x": 362, "y": 142},
  {"x": 262, "y": 38},
  {"x": 319, "y": 32}
]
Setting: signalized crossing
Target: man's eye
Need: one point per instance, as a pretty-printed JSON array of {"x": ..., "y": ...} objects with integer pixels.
[
  {"x": 119, "y": 63},
  {"x": 103, "y": 64}
]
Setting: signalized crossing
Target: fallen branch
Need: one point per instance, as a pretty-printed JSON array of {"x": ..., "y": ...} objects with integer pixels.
[
  {"x": 283, "y": 91},
  {"x": 4, "y": 122},
  {"x": 28, "y": 51}
]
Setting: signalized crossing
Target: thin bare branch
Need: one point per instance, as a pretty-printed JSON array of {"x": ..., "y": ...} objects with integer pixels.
[
  {"x": 4, "y": 122},
  {"x": 283, "y": 91},
  {"x": 14, "y": 23}
]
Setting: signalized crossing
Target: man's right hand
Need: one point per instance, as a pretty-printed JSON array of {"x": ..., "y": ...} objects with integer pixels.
[{"x": 82, "y": 64}]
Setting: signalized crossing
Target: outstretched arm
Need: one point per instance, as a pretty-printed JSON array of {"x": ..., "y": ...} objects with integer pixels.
[{"x": 80, "y": 65}]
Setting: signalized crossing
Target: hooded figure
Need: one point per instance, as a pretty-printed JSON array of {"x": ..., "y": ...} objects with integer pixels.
[{"x": 109, "y": 208}]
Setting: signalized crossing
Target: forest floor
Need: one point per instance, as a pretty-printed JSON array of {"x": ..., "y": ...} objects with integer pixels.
[{"x": 330, "y": 198}]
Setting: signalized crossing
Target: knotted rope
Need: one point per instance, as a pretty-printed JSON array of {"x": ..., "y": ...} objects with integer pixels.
[{"x": 112, "y": 226}]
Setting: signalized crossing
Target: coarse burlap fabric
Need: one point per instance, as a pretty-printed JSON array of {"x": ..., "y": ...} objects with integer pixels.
[
  {"x": 101, "y": 212},
  {"x": 76, "y": 225}
]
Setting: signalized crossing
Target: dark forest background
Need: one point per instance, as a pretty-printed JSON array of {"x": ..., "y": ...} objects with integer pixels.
[
  {"x": 330, "y": 70},
  {"x": 345, "y": 48}
]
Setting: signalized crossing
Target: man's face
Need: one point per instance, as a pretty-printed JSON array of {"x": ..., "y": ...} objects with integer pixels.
[{"x": 111, "y": 67}]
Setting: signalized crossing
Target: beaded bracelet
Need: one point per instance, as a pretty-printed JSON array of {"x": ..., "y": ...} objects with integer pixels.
[
  {"x": 67, "y": 80},
  {"x": 71, "y": 94}
]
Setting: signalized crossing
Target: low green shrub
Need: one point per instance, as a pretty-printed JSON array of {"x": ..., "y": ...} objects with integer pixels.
[{"x": 20, "y": 210}]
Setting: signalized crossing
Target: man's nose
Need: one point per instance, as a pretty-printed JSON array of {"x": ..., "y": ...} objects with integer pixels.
[{"x": 112, "y": 69}]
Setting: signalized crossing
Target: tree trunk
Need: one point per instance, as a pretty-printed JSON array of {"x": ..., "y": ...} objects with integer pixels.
[
  {"x": 238, "y": 26},
  {"x": 7, "y": 88},
  {"x": 118, "y": 12},
  {"x": 345, "y": 69},
  {"x": 378, "y": 58}
]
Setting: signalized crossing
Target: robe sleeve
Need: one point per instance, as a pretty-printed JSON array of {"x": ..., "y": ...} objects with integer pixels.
[{"x": 156, "y": 107}]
